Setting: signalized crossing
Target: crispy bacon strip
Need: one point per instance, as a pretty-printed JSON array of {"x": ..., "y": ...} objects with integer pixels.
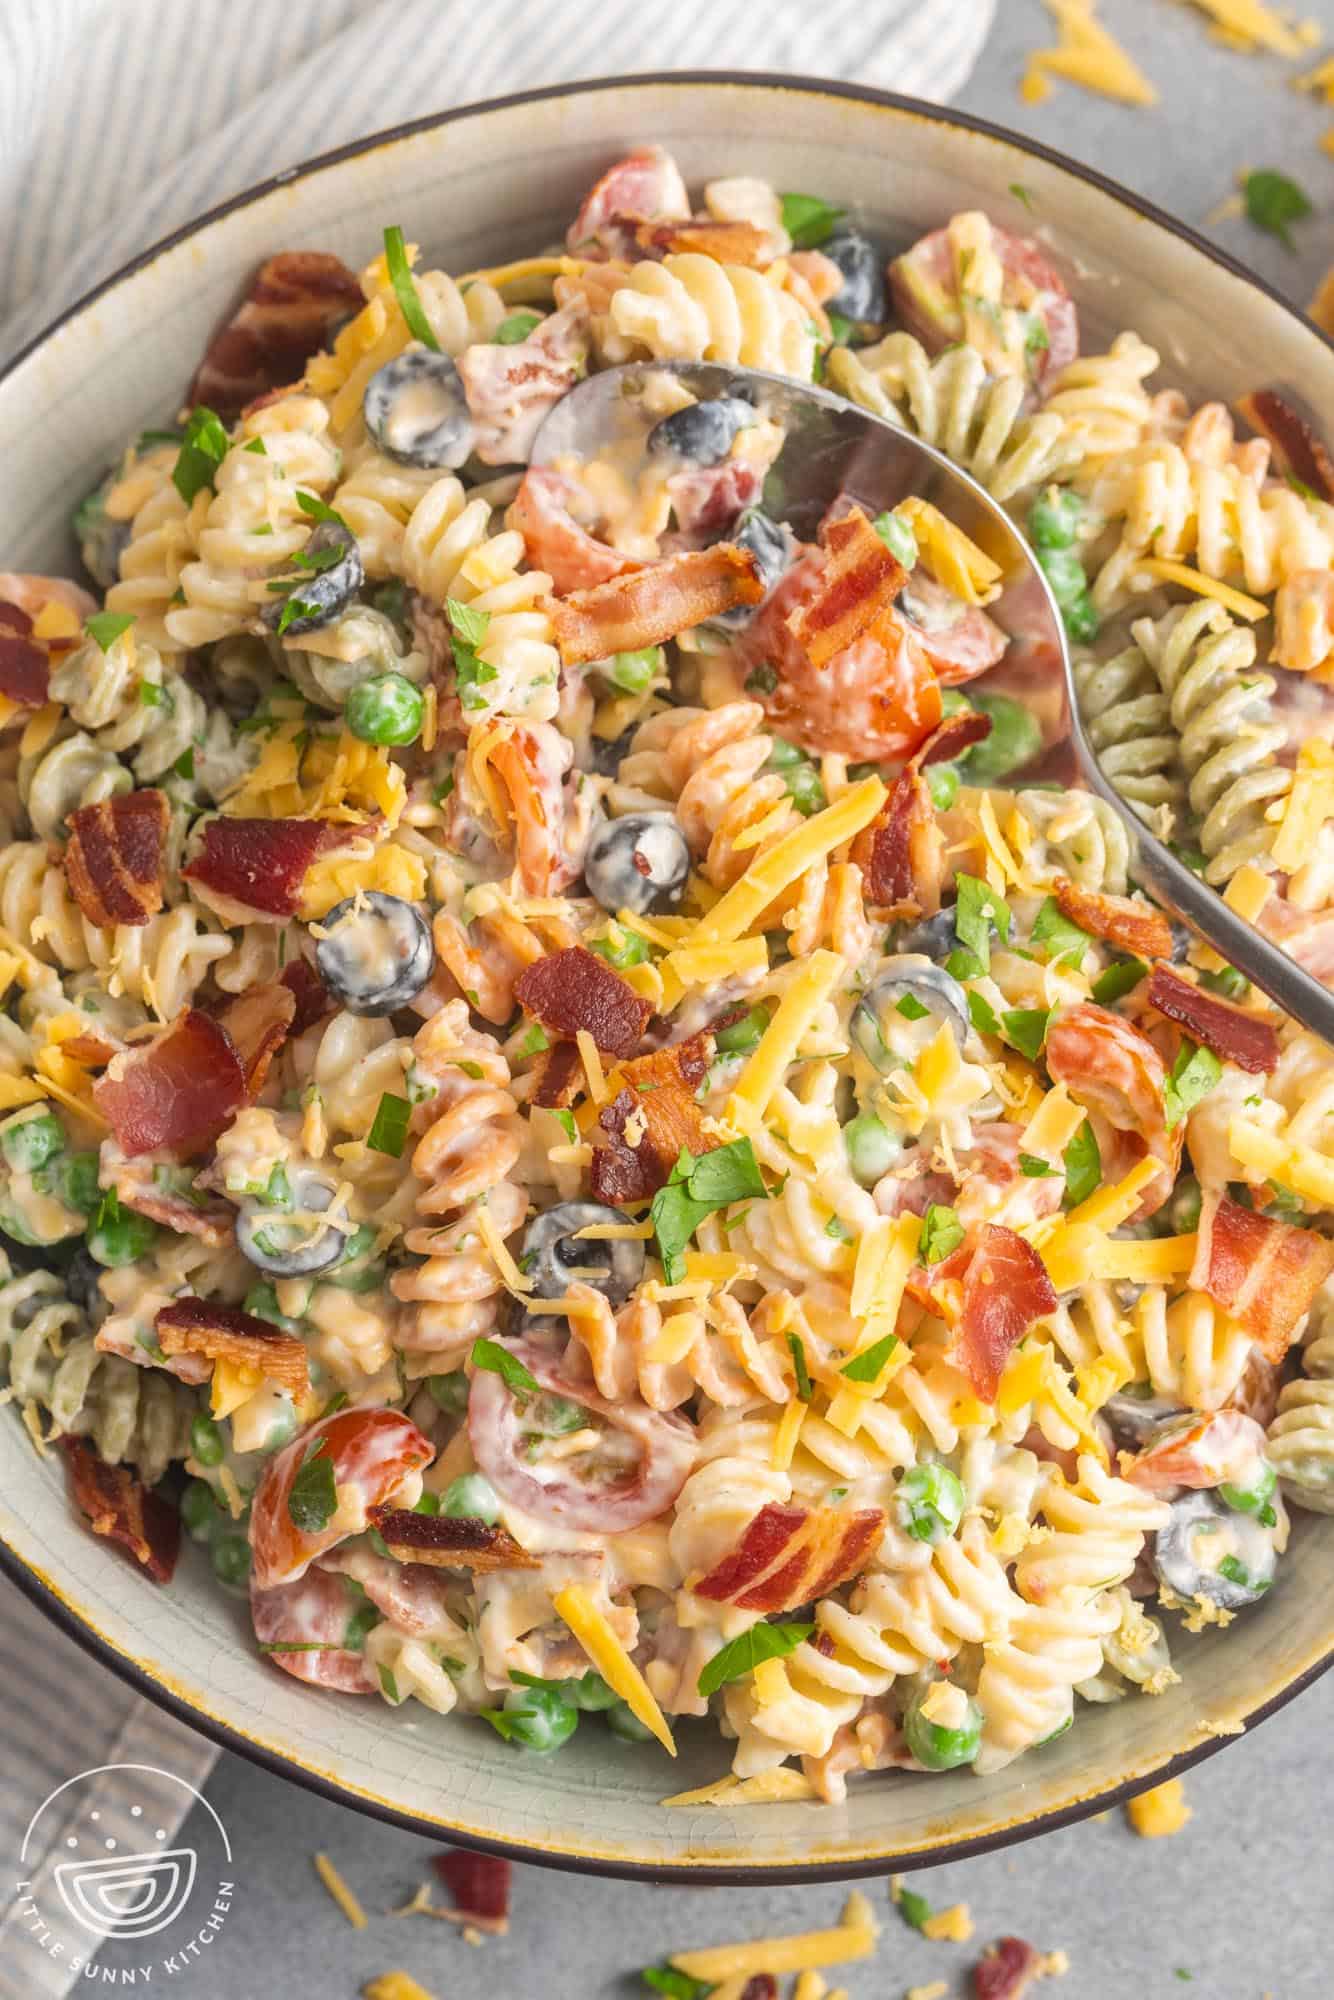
[
  {"x": 861, "y": 579},
  {"x": 292, "y": 306},
  {"x": 1007, "y": 1971},
  {"x": 653, "y": 604},
  {"x": 510, "y": 389},
  {"x": 1298, "y": 448},
  {"x": 1239, "y": 1037},
  {"x": 479, "y": 1885},
  {"x": 25, "y": 668},
  {"x": 729, "y": 242},
  {"x": 259, "y": 1022},
  {"x": 574, "y": 989},
  {"x": 448, "y": 1541},
  {"x": 176, "y": 1092},
  {"x": 311, "y": 995},
  {"x": 789, "y": 1555},
  {"x": 225, "y": 1333},
  {"x": 1129, "y": 925},
  {"x": 1264, "y": 1272},
  {"x": 121, "y": 1507},
  {"x": 645, "y": 184},
  {"x": 261, "y": 863},
  {"x": 957, "y": 733},
  {"x": 902, "y": 856},
  {"x": 659, "y": 1092},
  {"x": 560, "y": 1076},
  {"x": 115, "y": 858},
  {"x": 1005, "y": 1288}
]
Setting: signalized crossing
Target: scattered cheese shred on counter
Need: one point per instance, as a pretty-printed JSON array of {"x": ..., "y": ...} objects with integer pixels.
[
  {"x": 1087, "y": 55},
  {"x": 1248, "y": 25},
  {"x": 953, "y": 1925},
  {"x": 340, "y": 1892},
  {"x": 854, "y": 1938},
  {"x": 1163, "y": 1811},
  {"x": 394, "y": 1986}
]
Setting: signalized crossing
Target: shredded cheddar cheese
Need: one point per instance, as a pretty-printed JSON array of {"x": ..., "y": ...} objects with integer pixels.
[
  {"x": 609, "y": 1656},
  {"x": 780, "y": 1955},
  {"x": 1248, "y": 25},
  {"x": 767, "y": 1065},
  {"x": 1309, "y": 805},
  {"x": 1160, "y": 1812},
  {"x": 1087, "y": 55},
  {"x": 788, "y": 860},
  {"x": 394, "y": 1986},
  {"x": 340, "y": 1892},
  {"x": 1235, "y": 601},
  {"x": 769, "y": 1788}
]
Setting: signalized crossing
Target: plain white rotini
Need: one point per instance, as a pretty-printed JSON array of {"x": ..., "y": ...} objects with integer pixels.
[{"x": 692, "y": 308}]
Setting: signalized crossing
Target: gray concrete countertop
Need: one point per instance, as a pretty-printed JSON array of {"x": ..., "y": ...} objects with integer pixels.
[{"x": 1238, "y": 1906}]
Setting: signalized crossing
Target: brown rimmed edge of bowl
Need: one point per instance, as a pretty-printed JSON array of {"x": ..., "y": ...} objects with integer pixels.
[{"x": 45, "y": 1596}]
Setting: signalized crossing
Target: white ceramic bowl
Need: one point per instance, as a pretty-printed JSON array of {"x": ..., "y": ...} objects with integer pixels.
[{"x": 474, "y": 186}]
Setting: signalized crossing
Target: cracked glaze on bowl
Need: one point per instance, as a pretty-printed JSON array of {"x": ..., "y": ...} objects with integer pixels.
[{"x": 474, "y": 187}]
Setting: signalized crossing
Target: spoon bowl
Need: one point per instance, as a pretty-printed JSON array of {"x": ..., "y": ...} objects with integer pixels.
[{"x": 832, "y": 447}]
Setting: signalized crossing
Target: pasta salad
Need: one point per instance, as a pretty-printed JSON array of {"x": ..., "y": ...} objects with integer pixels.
[{"x": 578, "y": 1103}]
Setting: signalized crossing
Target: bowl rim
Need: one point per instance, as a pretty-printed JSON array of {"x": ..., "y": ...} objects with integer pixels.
[{"x": 43, "y": 1592}]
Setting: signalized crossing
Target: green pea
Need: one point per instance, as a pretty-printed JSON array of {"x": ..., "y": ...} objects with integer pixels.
[
  {"x": 470, "y": 1495},
  {"x": 589, "y": 1692},
  {"x": 540, "y": 1718},
  {"x": 123, "y": 1238},
  {"x": 262, "y": 1301},
  {"x": 870, "y": 1146},
  {"x": 386, "y": 709},
  {"x": 623, "y": 1722},
  {"x": 31, "y": 1139},
  {"x": 198, "y": 1510},
  {"x": 1065, "y": 573},
  {"x": 783, "y": 755},
  {"x": 13, "y": 1224},
  {"x": 805, "y": 787},
  {"x": 449, "y": 1392},
  {"x": 363, "y": 1620},
  {"x": 206, "y": 1443},
  {"x": 231, "y": 1560},
  {"x": 1082, "y": 619},
  {"x": 1015, "y": 739},
  {"x": 942, "y": 781},
  {"x": 632, "y": 949},
  {"x": 937, "y": 1748},
  {"x": 1053, "y": 519},
  {"x": 743, "y": 1035},
  {"x": 72, "y": 1179},
  {"x": 1183, "y": 1210},
  {"x": 1253, "y": 1493},
  {"x": 633, "y": 672},
  {"x": 930, "y": 1502}
]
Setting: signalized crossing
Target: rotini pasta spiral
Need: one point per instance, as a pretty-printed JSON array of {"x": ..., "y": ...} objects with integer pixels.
[
  {"x": 1077, "y": 834},
  {"x": 1126, "y": 717},
  {"x": 1228, "y": 733},
  {"x": 693, "y": 308},
  {"x": 1301, "y": 1436}
]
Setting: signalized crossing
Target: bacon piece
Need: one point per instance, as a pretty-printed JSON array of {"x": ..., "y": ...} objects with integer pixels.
[
  {"x": 903, "y": 854},
  {"x": 312, "y": 997},
  {"x": 195, "y": 1213},
  {"x": 574, "y": 989},
  {"x": 645, "y": 186},
  {"x": 291, "y": 307},
  {"x": 957, "y": 733},
  {"x": 729, "y": 242},
  {"x": 787, "y": 1556},
  {"x": 650, "y": 605},
  {"x": 860, "y": 580},
  {"x": 261, "y": 864},
  {"x": 1129, "y": 925},
  {"x": 479, "y": 1885},
  {"x": 118, "y": 1505},
  {"x": 1299, "y": 450},
  {"x": 1264, "y": 1272},
  {"x": 225, "y": 1333},
  {"x": 259, "y": 1022},
  {"x": 554, "y": 541},
  {"x": 1005, "y": 1288},
  {"x": 448, "y": 1541},
  {"x": 176, "y": 1092},
  {"x": 661, "y": 1088},
  {"x": 559, "y": 1071},
  {"x": 1007, "y": 1971},
  {"x": 1239, "y": 1037},
  {"x": 510, "y": 389},
  {"x": 114, "y": 861},
  {"x": 25, "y": 668},
  {"x": 1202, "y": 1451}
]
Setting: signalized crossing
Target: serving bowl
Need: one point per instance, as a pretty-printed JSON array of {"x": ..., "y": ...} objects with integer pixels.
[{"x": 476, "y": 186}]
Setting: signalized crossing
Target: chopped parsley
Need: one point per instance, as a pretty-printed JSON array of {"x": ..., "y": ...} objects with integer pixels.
[
  {"x": 866, "y": 1366},
  {"x": 743, "y": 1654},
  {"x": 1273, "y": 202},
  {"x": 978, "y": 911},
  {"x": 107, "y": 626},
  {"x": 697, "y": 1188},
  {"x": 468, "y": 627},
  {"x": 1064, "y": 941},
  {"x": 808, "y": 220},
  {"x": 497, "y": 1360},
  {"x": 1118, "y": 980},
  {"x": 914, "y": 1909},
  {"x": 677, "y": 1985},
  {"x": 516, "y": 328},
  {"x": 1026, "y": 1028},
  {"x": 1033, "y": 1168},
  {"x": 796, "y": 1347},
  {"x": 405, "y": 290},
  {"x": 312, "y": 1499},
  {"x": 942, "y": 1232},
  {"x": 389, "y": 1127},
  {"x": 202, "y": 451},
  {"x": 1083, "y": 1167},
  {"x": 1192, "y": 1076},
  {"x": 898, "y": 537}
]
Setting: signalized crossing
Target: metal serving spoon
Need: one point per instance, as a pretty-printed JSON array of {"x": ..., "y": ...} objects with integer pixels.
[{"x": 832, "y": 446}]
